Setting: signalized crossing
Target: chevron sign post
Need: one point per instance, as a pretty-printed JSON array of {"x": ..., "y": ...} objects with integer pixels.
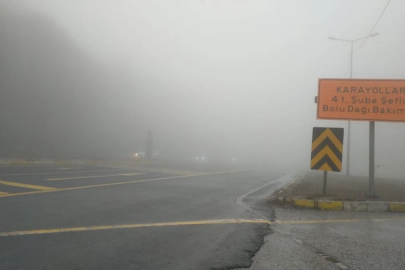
[{"x": 327, "y": 151}]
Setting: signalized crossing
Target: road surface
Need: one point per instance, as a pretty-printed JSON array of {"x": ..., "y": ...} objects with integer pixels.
[
  {"x": 92, "y": 217},
  {"x": 89, "y": 217}
]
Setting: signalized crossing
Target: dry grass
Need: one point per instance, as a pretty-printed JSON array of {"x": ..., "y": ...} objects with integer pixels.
[{"x": 341, "y": 188}]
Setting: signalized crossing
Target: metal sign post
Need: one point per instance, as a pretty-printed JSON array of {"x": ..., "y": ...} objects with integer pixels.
[{"x": 371, "y": 191}]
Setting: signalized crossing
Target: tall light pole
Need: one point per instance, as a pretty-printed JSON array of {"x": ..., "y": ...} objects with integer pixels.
[{"x": 352, "y": 41}]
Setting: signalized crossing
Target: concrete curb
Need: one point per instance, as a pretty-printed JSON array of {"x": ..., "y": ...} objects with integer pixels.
[{"x": 375, "y": 206}]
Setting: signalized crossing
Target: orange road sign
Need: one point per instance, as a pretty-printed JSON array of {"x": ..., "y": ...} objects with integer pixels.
[{"x": 361, "y": 99}]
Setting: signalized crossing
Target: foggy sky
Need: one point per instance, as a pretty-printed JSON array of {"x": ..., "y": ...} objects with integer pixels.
[{"x": 228, "y": 79}]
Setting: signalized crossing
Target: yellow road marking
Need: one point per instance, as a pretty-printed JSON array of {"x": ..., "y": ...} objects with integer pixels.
[
  {"x": 93, "y": 176},
  {"x": 113, "y": 184},
  {"x": 3, "y": 193},
  {"x": 186, "y": 223},
  {"x": 304, "y": 203},
  {"x": 19, "y": 174},
  {"x": 31, "y": 165},
  {"x": 397, "y": 206},
  {"x": 333, "y": 205},
  {"x": 165, "y": 170},
  {"x": 128, "y": 226},
  {"x": 14, "y": 184}
]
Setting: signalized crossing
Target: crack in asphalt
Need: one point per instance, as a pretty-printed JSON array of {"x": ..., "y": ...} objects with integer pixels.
[
  {"x": 325, "y": 256},
  {"x": 257, "y": 207}
]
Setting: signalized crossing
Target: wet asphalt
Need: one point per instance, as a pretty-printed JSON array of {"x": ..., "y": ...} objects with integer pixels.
[
  {"x": 168, "y": 199},
  {"x": 91, "y": 196}
]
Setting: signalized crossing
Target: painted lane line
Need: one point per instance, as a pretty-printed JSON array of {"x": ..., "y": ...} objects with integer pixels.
[
  {"x": 28, "y": 165},
  {"x": 3, "y": 193},
  {"x": 181, "y": 223},
  {"x": 116, "y": 183},
  {"x": 14, "y": 184},
  {"x": 129, "y": 174},
  {"x": 93, "y": 176},
  {"x": 129, "y": 226},
  {"x": 168, "y": 171},
  {"x": 20, "y": 174}
]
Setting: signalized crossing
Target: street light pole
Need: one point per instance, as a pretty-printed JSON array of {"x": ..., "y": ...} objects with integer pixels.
[
  {"x": 349, "y": 124},
  {"x": 351, "y": 76},
  {"x": 351, "y": 59}
]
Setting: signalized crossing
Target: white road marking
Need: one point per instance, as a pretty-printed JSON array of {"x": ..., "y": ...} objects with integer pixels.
[{"x": 94, "y": 176}]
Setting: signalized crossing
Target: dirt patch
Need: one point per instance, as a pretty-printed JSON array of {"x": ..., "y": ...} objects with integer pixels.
[{"x": 339, "y": 187}]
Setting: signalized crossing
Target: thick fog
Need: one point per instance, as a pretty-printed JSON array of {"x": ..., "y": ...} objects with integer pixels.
[{"x": 227, "y": 80}]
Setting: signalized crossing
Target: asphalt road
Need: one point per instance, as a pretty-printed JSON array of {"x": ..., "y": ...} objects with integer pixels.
[{"x": 89, "y": 217}]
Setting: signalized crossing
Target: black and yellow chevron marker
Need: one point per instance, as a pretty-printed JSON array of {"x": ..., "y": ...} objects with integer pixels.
[{"x": 327, "y": 149}]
